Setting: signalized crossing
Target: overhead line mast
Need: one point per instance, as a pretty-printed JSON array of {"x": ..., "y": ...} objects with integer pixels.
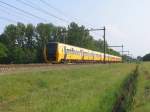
[{"x": 119, "y": 46}]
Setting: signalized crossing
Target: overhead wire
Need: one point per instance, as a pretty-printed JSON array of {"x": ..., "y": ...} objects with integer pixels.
[
  {"x": 41, "y": 10},
  {"x": 4, "y": 10},
  {"x": 16, "y": 12},
  {"x": 51, "y": 6},
  {"x": 23, "y": 11},
  {"x": 58, "y": 10},
  {"x": 36, "y": 8},
  {"x": 64, "y": 14}
]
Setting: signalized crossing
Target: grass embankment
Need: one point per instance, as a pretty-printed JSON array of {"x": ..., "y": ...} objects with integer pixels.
[
  {"x": 142, "y": 98},
  {"x": 124, "y": 101},
  {"x": 92, "y": 88}
]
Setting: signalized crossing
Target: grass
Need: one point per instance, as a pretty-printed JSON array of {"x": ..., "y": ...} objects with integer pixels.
[
  {"x": 92, "y": 88},
  {"x": 142, "y": 98}
]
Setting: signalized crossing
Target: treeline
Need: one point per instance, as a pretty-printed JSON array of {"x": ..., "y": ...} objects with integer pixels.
[
  {"x": 24, "y": 43},
  {"x": 146, "y": 57}
]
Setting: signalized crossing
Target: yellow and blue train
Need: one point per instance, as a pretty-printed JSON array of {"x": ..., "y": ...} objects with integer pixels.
[{"x": 56, "y": 52}]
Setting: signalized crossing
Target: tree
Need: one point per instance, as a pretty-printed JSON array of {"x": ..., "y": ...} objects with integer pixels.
[
  {"x": 30, "y": 55},
  {"x": 20, "y": 34},
  {"x": 21, "y": 43},
  {"x": 77, "y": 35},
  {"x": 139, "y": 58},
  {"x": 44, "y": 33},
  {"x": 59, "y": 35},
  {"x": 10, "y": 35},
  {"x": 17, "y": 55},
  {"x": 3, "y": 53},
  {"x": 146, "y": 57},
  {"x": 30, "y": 36}
]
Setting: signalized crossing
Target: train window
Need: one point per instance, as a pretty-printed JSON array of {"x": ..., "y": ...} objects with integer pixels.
[
  {"x": 68, "y": 51},
  {"x": 76, "y": 52}
]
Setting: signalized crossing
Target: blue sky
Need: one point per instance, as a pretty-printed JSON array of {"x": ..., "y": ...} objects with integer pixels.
[{"x": 127, "y": 21}]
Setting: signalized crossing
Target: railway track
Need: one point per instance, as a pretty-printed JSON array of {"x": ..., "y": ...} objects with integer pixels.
[
  {"x": 13, "y": 67},
  {"x": 4, "y": 68},
  {"x": 22, "y": 65},
  {"x": 26, "y": 67}
]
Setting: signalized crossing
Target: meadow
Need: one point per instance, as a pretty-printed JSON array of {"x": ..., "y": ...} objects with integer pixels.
[
  {"x": 92, "y": 88},
  {"x": 142, "y": 97}
]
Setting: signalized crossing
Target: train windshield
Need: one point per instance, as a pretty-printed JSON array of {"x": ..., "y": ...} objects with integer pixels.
[{"x": 52, "y": 49}]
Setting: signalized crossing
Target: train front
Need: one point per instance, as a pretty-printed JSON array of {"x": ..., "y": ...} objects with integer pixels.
[{"x": 50, "y": 52}]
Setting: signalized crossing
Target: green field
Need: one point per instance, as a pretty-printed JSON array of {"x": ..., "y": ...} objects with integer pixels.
[
  {"x": 142, "y": 97},
  {"x": 92, "y": 88}
]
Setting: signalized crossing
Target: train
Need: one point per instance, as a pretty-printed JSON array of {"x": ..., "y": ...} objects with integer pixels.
[{"x": 55, "y": 52}]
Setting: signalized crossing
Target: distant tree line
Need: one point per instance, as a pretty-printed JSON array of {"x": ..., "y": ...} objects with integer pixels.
[
  {"x": 24, "y": 43},
  {"x": 146, "y": 57}
]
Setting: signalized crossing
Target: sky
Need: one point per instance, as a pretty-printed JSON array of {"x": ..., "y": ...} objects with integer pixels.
[{"x": 127, "y": 21}]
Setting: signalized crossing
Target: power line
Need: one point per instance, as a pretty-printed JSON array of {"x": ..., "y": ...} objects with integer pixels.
[
  {"x": 21, "y": 10},
  {"x": 16, "y": 13},
  {"x": 56, "y": 9},
  {"x": 49, "y": 5},
  {"x": 42, "y": 10},
  {"x": 61, "y": 12},
  {"x": 5, "y": 11},
  {"x": 9, "y": 13}
]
